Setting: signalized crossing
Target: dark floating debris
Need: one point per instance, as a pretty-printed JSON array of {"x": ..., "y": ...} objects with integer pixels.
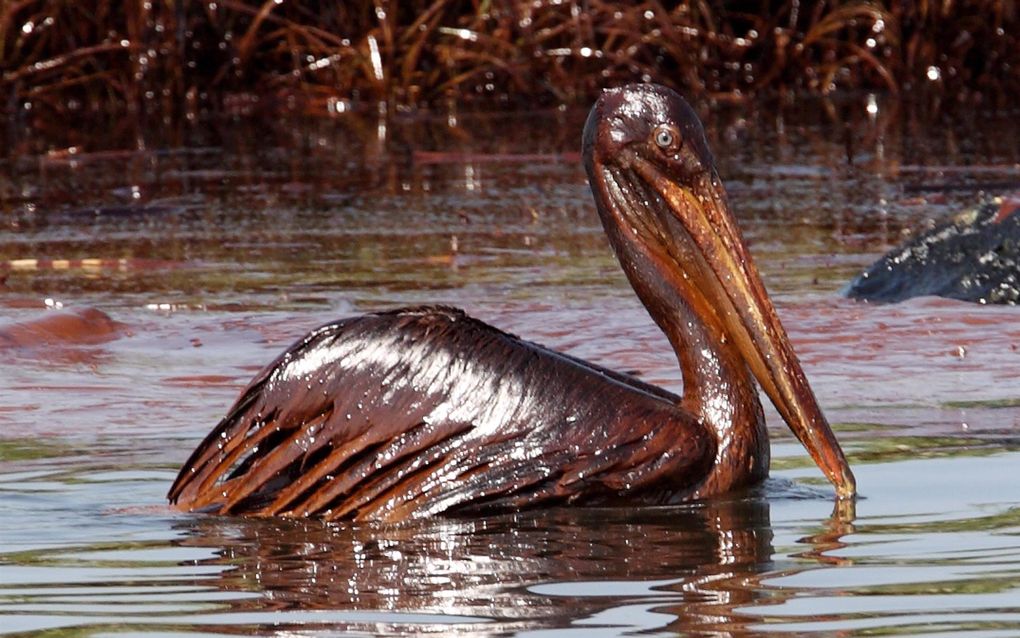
[{"x": 973, "y": 256}]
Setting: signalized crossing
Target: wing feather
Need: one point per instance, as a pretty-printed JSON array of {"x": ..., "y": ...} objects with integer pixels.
[{"x": 364, "y": 480}]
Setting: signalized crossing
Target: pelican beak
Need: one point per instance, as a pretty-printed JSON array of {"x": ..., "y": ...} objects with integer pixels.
[{"x": 732, "y": 287}]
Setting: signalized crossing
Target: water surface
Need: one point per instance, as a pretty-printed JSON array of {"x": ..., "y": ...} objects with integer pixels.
[{"x": 213, "y": 247}]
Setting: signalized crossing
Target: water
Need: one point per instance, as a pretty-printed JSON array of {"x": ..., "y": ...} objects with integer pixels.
[{"x": 218, "y": 251}]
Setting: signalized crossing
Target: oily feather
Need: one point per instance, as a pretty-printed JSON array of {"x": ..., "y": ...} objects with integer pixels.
[{"x": 425, "y": 410}]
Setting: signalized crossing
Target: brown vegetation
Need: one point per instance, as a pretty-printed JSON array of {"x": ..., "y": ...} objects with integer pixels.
[{"x": 180, "y": 57}]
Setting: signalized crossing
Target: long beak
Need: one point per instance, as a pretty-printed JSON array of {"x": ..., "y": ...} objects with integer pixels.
[{"x": 727, "y": 277}]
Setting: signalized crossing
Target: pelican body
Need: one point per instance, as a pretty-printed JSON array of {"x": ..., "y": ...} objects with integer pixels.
[{"x": 420, "y": 411}]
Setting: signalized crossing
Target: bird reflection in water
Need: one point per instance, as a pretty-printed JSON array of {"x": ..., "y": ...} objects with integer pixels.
[{"x": 696, "y": 567}]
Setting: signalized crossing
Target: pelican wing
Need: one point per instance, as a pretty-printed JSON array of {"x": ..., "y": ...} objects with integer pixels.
[{"x": 424, "y": 410}]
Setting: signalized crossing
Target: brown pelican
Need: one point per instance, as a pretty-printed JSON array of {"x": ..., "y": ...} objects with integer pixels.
[{"x": 414, "y": 412}]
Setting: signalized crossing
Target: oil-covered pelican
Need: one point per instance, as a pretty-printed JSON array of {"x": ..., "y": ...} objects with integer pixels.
[{"x": 410, "y": 413}]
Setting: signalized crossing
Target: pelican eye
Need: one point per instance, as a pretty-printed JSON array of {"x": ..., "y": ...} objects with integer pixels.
[{"x": 666, "y": 138}]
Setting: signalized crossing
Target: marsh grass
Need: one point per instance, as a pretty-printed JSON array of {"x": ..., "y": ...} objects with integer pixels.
[{"x": 179, "y": 58}]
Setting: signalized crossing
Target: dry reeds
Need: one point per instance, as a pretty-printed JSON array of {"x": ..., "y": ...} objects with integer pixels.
[{"x": 176, "y": 58}]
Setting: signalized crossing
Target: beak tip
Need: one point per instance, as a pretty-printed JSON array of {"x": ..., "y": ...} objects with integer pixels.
[{"x": 846, "y": 485}]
